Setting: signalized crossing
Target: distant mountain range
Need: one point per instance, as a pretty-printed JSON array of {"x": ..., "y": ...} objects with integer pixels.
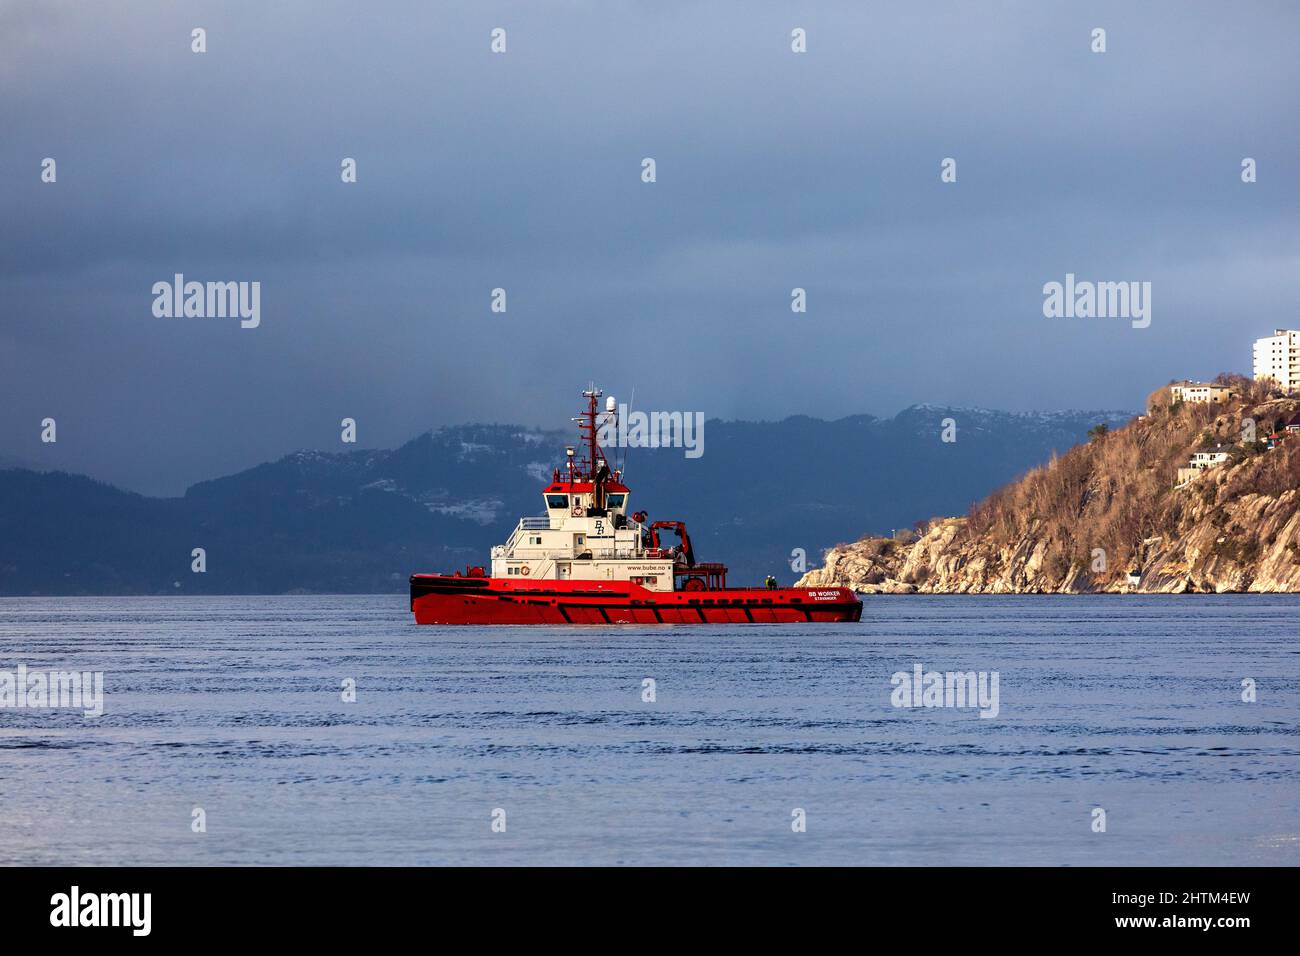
[{"x": 362, "y": 521}]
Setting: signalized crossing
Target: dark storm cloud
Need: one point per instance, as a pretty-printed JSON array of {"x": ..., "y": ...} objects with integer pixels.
[{"x": 522, "y": 171}]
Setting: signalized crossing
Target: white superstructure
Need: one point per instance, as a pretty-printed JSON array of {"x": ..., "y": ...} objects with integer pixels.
[{"x": 586, "y": 532}]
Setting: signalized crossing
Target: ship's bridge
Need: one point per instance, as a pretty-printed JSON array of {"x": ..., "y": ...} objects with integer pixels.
[{"x": 566, "y": 498}]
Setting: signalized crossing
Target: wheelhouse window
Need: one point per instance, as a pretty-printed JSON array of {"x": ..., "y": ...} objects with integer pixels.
[
  {"x": 557, "y": 501},
  {"x": 615, "y": 500}
]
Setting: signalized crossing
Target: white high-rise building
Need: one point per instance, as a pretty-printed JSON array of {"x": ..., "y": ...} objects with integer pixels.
[{"x": 1277, "y": 358}]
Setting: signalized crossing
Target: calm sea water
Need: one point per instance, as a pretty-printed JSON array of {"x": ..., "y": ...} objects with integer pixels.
[{"x": 1131, "y": 704}]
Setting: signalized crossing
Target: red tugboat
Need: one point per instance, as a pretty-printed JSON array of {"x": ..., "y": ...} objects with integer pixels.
[{"x": 588, "y": 561}]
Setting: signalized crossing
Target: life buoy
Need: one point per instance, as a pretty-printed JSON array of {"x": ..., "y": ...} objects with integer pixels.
[
  {"x": 524, "y": 570},
  {"x": 577, "y": 511}
]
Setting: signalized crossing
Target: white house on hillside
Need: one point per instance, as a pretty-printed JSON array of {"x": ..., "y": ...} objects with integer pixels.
[
  {"x": 1211, "y": 457},
  {"x": 1200, "y": 392}
]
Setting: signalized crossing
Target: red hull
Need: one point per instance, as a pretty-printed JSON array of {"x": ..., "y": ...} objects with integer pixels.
[{"x": 444, "y": 599}]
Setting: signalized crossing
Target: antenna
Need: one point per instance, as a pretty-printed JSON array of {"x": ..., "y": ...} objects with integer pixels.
[{"x": 622, "y": 467}]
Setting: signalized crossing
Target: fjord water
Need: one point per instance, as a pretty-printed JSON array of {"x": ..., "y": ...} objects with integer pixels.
[{"x": 233, "y": 705}]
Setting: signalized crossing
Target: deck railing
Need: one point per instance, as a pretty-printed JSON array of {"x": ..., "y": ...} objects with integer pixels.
[
  {"x": 537, "y": 523},
  {"x": 597, "y": 554}
]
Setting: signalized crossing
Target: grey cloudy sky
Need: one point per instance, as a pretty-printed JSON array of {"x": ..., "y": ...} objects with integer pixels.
[{"x": 522, "y": 170}]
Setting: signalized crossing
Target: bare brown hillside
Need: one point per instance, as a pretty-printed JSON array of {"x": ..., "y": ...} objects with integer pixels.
[{"x": 1104, "y": 510}]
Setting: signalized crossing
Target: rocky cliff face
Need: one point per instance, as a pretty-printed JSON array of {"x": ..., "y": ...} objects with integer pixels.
[{"x": 1107, "y": 517}]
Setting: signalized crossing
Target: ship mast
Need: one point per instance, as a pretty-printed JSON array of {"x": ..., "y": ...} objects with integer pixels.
[
  {"x": 587, "y": 429},
  {"x": 597, "y": 469}
]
